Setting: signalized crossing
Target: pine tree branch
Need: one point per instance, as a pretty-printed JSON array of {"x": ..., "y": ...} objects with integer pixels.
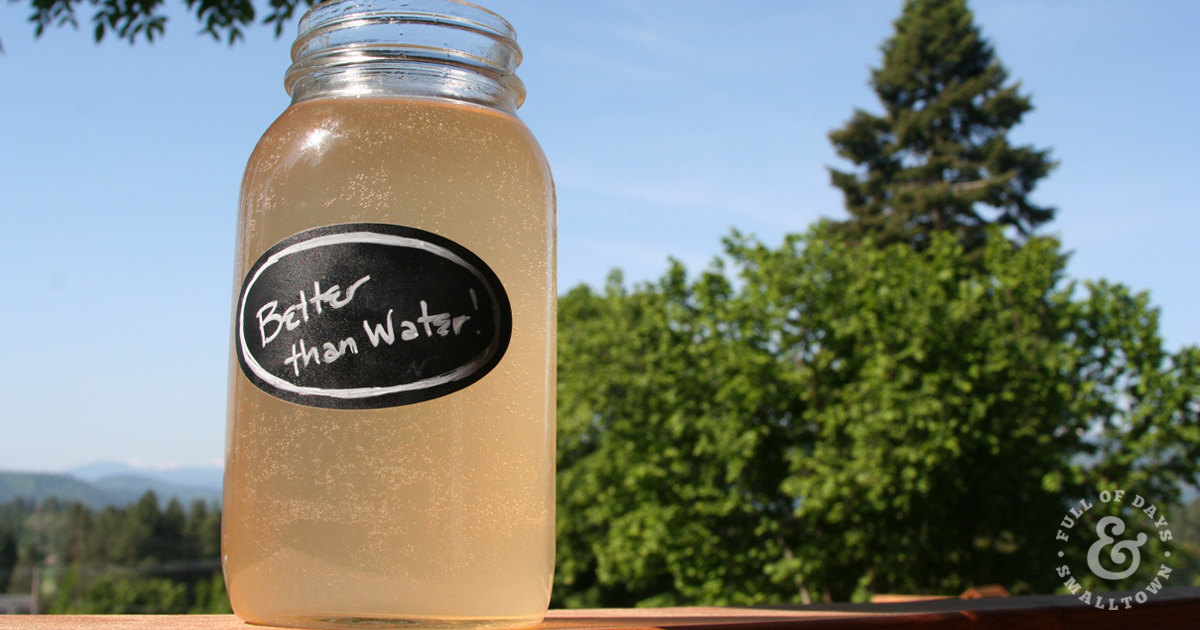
[{"x": 958, "y": 187}]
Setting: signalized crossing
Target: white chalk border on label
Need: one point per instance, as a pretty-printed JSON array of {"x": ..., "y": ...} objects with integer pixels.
[{"x": 369, "y": 315}]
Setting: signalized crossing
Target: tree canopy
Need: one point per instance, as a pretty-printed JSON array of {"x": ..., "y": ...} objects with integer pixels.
[
  {"x": 939, "y": 157},
  {"x": 827, "y": 420},
  {"x": 131, "y": 20}
]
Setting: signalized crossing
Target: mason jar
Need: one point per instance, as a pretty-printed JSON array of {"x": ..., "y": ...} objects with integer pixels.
[{"x": 390, "y": 435}]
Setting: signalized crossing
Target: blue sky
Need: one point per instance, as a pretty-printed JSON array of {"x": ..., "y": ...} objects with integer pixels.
[{"x": 667, "y": 123}]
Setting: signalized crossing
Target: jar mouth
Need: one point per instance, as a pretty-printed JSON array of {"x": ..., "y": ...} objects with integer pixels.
[{"x": 373, "y": 47}]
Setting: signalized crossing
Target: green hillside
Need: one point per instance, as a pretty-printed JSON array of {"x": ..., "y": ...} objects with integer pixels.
[
  {"x": 40, "y": 486},
  {"x": 115, "y": 490}
]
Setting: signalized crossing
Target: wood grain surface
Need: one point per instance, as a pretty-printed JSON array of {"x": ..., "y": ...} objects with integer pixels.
[{"x": 1169, "y": 609}]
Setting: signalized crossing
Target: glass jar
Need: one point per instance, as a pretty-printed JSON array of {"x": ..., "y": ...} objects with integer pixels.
[{"x": 390, "y": 436}]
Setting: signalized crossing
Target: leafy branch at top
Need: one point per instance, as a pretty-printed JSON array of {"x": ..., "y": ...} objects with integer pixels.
[{"x": 131, "y": 20}]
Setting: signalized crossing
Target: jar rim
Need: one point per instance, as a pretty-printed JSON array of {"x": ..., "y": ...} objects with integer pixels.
[
  {"x": 456, "y": 36},
  {"x": 450, "y": 12}
]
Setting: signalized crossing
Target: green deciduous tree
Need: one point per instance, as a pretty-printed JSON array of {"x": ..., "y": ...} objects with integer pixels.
[
  {"x": 118, "y": 595},
  {"x": 210, "y": 598},
  {"x": 939, "y": 157},
  {"x": 825, "y": 420},
  {"x": 670, "y": 458},
  {"x": 131, "y": 20}
]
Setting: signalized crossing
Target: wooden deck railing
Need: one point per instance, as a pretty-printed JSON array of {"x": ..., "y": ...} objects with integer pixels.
[{"x": 1168, "y": 609}]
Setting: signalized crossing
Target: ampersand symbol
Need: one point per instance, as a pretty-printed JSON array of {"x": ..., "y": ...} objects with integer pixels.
[{"x": 1118, "y": 549}]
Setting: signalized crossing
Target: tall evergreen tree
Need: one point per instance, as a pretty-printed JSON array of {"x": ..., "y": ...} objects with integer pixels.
[
  {"x": 939, "y": 158},
  {"x": 8, "y": 554}
]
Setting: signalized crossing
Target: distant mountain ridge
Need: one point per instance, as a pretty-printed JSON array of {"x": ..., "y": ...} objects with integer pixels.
[
  {"x": 41, "y": 486},
  {"x": 104, "y": 484},
  {"x": 194, "y": 476}
]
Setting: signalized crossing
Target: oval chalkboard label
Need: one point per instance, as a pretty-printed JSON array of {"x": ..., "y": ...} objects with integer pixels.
[{"x": 367, "y": 315}]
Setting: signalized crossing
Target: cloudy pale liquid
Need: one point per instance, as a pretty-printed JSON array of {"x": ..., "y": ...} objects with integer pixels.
[{"x": 442, "y": 511}]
